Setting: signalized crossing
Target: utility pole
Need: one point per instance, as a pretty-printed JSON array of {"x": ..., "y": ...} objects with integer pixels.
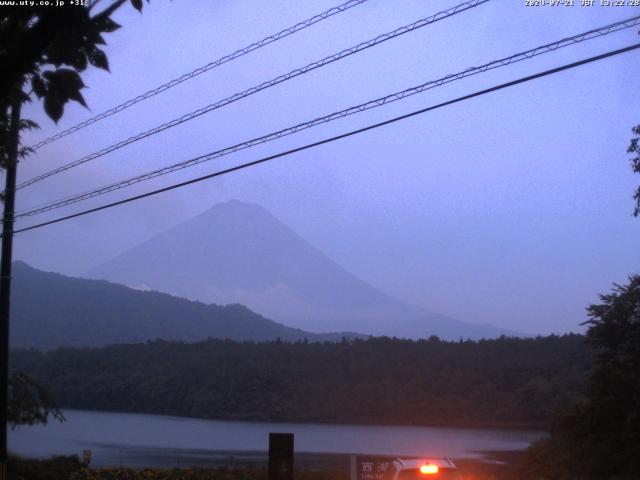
[{"x": 5, "y": 274}]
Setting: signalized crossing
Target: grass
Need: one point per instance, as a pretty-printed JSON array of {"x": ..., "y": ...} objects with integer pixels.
[{"x": 494, "y": 466}]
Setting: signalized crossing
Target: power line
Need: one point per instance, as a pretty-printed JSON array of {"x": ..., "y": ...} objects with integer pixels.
[
  {"x": 282, "y": 78},
  {"x": 337, "y": 137},
  {"x": 205, "y": 68},
  {"x": 588, "y": 35}
]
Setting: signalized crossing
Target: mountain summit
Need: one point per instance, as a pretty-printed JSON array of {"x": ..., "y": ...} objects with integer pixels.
[{"x": 239, "y": 253}]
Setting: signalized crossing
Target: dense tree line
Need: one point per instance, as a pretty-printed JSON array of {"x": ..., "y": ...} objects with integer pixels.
[{"x": 507, "y": 382}]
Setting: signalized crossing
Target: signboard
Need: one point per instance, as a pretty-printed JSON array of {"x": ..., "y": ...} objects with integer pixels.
[{"x": 371, "y": 467}]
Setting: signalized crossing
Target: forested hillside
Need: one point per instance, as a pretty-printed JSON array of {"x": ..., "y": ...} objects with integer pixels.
[
  {"x": 507, "y": 382},
  {"x": 51, "y": 310}
]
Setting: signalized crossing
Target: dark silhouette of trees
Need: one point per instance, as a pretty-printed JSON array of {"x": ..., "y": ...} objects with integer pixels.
[
  {"x": 506, "y": 382},
  {"x": 29, "y": 403},
  {"x": 612, "y": 412},
  {"x": 600, "y": 437},
  {"x": 43, "y": 51},
  {"x": 634, "y": 148}
]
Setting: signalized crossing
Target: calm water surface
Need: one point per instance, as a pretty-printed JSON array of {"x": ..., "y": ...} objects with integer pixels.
[{"x": 156, "y": 440}]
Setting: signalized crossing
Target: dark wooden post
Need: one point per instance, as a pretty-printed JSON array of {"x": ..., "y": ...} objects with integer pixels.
[
  {"x": 281, "y": 456},
  {"x": 5, "y": 276}
]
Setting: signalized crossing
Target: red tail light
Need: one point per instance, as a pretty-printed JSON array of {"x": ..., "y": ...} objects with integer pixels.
[{"x": 429, "y": 469}]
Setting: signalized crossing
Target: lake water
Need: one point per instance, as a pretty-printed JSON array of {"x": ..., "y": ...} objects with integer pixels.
[{"x": 156, "y": 440}]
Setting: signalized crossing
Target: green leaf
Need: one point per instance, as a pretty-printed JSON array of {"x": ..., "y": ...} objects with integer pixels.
[
  {"x": 99, "y": 40},
  {"x": 54, "y": 106},
  {"x": 77, "y": 97},
  {"x": 64, "y": 81},
  {"x": 107, "y": 25},
  {"x": 64, "y": 85},
  {"x": 26, "y": 124},
  {"x": 78, "y": 60},
  {"x": 38, "y": 86},
  {"x": 98, "y": 58}
]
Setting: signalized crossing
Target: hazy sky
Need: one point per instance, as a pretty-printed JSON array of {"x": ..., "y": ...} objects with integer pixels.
[{"x": 513, "y": 208}]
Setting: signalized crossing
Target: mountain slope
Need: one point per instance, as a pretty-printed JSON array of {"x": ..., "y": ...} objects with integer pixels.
[
  {"x": 238, "y": 252},
  {"x": 50, "y": 310}
]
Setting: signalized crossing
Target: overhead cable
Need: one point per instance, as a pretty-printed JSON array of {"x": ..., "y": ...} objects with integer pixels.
[
  {"x": 200, "y": 70},
  {"x": 335, "y": 138},
  {"x": 549, "y": 47},
  {"x": 275, "y": 81}
]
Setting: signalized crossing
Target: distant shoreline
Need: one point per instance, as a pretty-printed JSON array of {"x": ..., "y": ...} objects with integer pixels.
[
  {"x": 161, "y": 458},
  {"x": 161, "y": 441},
  {"x": 497, "y": 428}
]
